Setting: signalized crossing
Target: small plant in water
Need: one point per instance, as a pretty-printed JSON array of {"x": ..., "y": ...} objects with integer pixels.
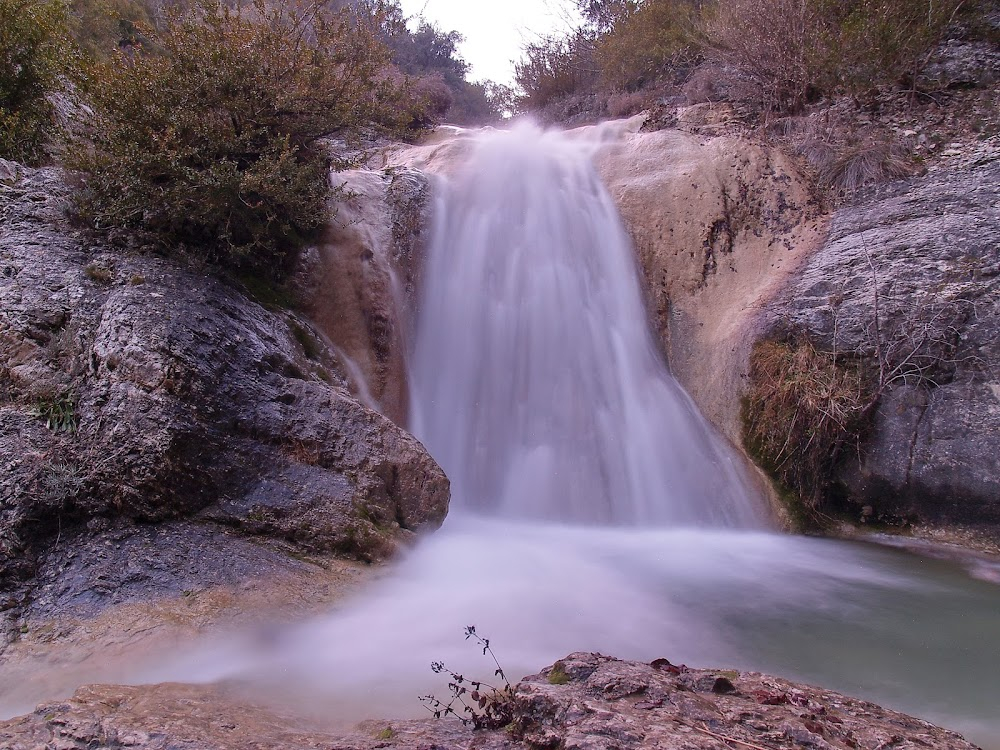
[{"x": 473, "y": 702}]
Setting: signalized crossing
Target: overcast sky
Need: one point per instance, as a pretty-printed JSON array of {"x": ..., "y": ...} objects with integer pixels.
[{"x": 494, "y": 30}]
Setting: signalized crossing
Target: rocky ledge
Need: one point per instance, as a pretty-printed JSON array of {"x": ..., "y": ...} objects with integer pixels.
[
  {"x": 583, "y": 702},
  {"x": 153, "y": 418}
]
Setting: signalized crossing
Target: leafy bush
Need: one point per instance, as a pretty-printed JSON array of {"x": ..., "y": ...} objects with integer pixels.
[
  {"x": 646, "y": 40},
  {"x": 100, "y": 27},
  {"x": 35, "y": 52},
  {"x": 438, "y": 73},
  {"x": 556, "y": 67},
  {"x": 207, "y": 146}
]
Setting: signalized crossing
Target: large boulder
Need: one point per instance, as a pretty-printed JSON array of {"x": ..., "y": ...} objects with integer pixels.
[
  {"x": 134, "y": 390},
  {"x": 909, "y": 280}
]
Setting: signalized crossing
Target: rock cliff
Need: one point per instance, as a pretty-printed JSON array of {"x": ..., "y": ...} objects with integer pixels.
[
  {"x": 735, "y": 249},
  {"x": 908, "y": 280},
  {"x": 719, "y": 224},
  {"x": 134, "y": 392}
]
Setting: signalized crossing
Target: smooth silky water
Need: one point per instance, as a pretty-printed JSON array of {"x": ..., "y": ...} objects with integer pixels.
[{"x": 593, "y": 507}]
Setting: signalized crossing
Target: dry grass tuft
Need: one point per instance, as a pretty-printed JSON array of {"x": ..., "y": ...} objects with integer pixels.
[
  {"x": 804, "y": 407},
  {"x": 864, "y": 164}
]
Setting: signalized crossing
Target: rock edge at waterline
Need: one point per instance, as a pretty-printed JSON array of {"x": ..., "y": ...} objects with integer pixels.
[{"x": 583, "y": 702}]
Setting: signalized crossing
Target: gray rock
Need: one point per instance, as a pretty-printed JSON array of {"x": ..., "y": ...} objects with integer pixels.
[
  {"x": 659, "y": 710},
  {"x": 910, "y": 279},
  {"x": 137, "y": 390},
  {"x": 961, "y": 64}
]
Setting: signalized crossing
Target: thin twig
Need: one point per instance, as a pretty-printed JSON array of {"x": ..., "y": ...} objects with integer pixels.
[{"x": 703, "y": 728}]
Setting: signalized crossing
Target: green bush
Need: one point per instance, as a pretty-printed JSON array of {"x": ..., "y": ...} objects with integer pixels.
[
  {"x": 35, "y": 53},
  {"x": 207, "y": 145}
]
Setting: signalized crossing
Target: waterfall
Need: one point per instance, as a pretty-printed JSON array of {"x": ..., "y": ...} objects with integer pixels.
[{"x": 536, "y": 382}]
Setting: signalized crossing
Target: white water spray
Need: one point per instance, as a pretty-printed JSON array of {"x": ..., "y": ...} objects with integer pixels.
[{"x": 536, "y": 382}]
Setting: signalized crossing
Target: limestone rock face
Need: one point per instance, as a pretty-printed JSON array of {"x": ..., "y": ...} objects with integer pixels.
[
  {"x": 718, "y": 225},
  {"x": 910, "y": 280},
  {"x": 599, "y": 703},
  {"x": 134, "y": 390},
  {"x": 359, "y": 284}
]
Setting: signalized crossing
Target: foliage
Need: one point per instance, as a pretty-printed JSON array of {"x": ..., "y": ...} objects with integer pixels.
[
  {"x": 796, "y": 50},
  {"x": 804, "y": 407},
  {"x": 207, "y": 147},
  {"x": 645, "y": 40},
  {"x": 430, "y": 56},
  {"x": 558, "y": 675},
  {"x": 35, "y": 54},
  {"x": 59, "y": 412},
  {"x": 782, "y": 53},
  {"x": 491, "y": 707},
  {"x": 100, "y": 27},
  {"x": 556, "y": 67}
]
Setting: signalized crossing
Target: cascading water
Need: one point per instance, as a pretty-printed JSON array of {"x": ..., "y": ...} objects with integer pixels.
[
  {"x": 537, "y": 386},
  {"x": 535, "y": 380}
]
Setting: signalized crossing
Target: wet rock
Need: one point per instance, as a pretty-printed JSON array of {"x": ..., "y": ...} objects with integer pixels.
[
  {"x": 135, "y": 390},
  {"x": 718, "y": 224},
  {"x": 359, "y": 285}
]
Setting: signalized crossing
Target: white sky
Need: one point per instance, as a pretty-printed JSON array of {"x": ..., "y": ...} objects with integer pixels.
[{"x": 494, "y": 30}]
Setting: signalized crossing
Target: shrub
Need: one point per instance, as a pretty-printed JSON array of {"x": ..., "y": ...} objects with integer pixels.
[
  {"x": 782, "y": 46},
  {"x": 804, "y": 407},
  {"x": 207, "y": 146},
  {"x": 100, "y": 27},
  {"x": 556, "y": 67},
  {"x": 35, "y": 52},
  {"x": 645, "y": 41},
  {"x": 891, "y": 39},
  {"x": 440, "y": 75},
  {"x": 797, "y": 50}
]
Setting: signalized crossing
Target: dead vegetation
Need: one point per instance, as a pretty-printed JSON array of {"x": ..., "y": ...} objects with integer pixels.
[
  {"x": 803, "y": 409},
  {"x": 808, "y": 407}
]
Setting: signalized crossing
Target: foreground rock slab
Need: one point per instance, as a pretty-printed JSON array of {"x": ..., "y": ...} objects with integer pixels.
[{"x": 583, "y": 702}]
